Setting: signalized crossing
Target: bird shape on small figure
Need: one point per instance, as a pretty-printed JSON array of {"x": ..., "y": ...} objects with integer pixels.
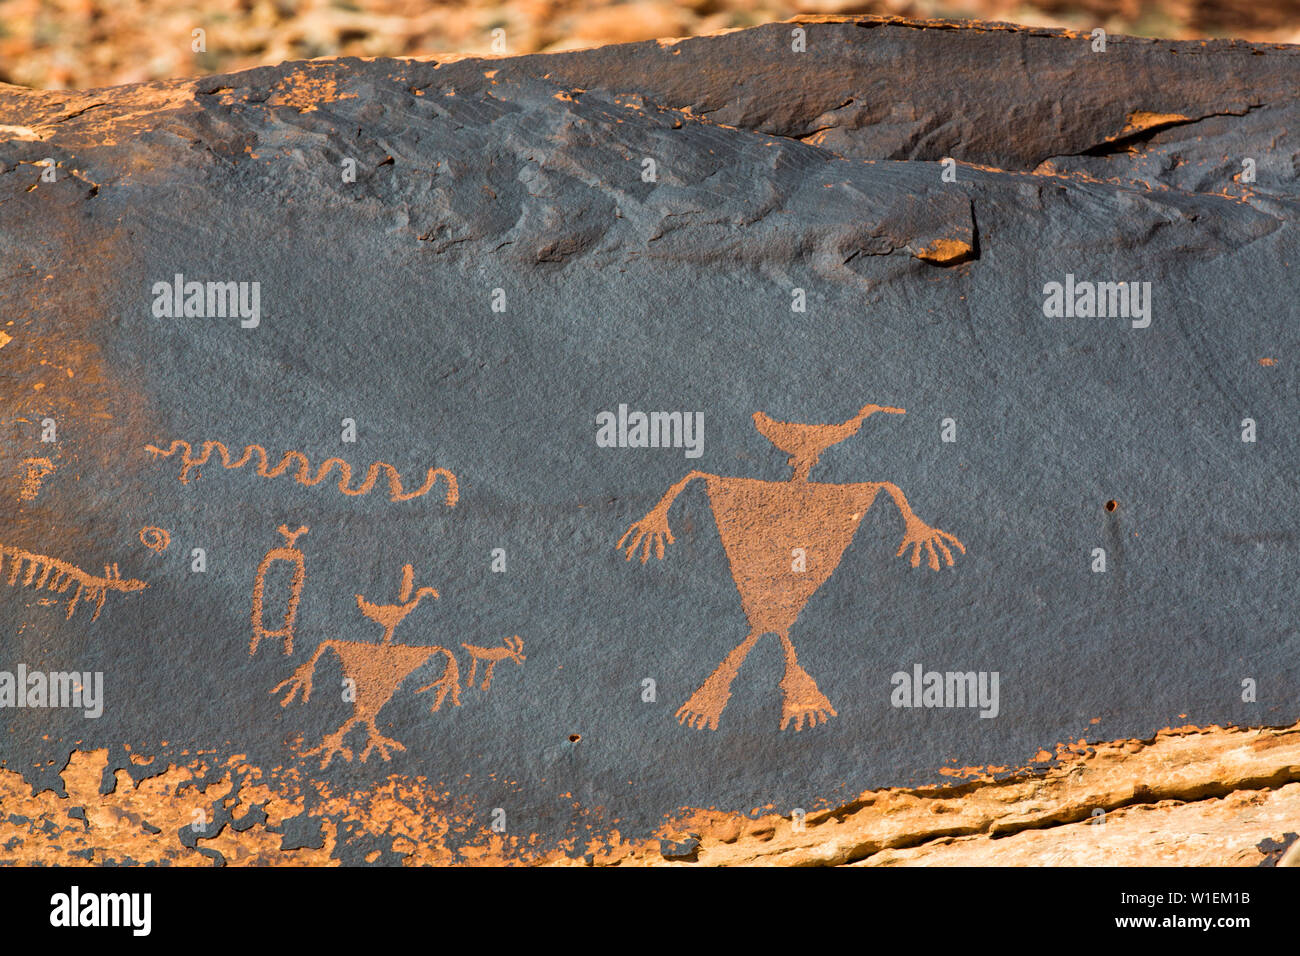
[{"x": 388, "y": 616}]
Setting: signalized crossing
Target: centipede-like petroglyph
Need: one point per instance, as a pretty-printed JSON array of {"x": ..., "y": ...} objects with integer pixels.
[
  {"x": 303, "y": 475},
  {"x": 41, "y": 571}
]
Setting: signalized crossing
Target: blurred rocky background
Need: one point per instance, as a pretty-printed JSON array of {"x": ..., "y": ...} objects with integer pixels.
[{"x": 56, "y": 44}]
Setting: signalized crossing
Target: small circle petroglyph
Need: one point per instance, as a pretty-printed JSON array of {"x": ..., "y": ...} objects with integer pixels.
[{"x": 156, "y": 540}]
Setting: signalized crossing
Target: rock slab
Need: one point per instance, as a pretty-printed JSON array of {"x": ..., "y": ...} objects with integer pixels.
[{"x": 937, "y": 381}]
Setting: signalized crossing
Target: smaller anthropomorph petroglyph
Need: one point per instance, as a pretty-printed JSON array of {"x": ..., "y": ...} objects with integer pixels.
[
  {"x": 293, "y": 557},
  {"x": 41, "y": 571},
  {"x": 377, "y": 670},
  {"x": 783, "y": 540}
]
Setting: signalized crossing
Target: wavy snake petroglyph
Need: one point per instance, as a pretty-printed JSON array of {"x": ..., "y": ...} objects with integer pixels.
[{"x": 303, "y": 476}]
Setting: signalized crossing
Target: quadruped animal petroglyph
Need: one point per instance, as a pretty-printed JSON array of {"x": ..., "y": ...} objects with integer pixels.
[
  {"x": 511, "y": 649},
  {"x": 783, "y": 540},
  {"x": 52, "y": 574},
  {"x": 303, "y": 475}
]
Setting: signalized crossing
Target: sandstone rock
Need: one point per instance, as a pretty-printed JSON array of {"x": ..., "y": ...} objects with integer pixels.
[{"x": 337, "y": 525}]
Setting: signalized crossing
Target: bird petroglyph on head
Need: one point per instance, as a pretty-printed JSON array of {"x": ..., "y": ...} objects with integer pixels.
[{"x": 805, "y": 443}]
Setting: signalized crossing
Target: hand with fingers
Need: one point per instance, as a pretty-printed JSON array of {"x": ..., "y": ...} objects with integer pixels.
[
  {"x": 300, "y": 681},
  {"x": 652, "y": 530},
  {"x": 920, "y": 535}
]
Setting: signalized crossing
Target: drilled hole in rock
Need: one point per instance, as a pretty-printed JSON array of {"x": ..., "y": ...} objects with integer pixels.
[
  {"x": 1112, "y": 505},
  {"x": 574, "y": 738}
]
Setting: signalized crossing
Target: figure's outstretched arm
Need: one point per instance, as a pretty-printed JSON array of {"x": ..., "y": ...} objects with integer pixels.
[
  {"x": 917, "y": 534},
  {"x": 301, "y": 680},
  {"x": 653, "y": 528},
  {"x": 449, "y": 682}
]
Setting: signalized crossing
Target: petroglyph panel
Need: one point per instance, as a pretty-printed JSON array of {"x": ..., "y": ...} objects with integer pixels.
[{"x": 676, "y": 441}]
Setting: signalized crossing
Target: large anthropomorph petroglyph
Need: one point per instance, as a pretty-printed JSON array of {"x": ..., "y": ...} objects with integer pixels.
[{"x": 783, "y": 540}]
